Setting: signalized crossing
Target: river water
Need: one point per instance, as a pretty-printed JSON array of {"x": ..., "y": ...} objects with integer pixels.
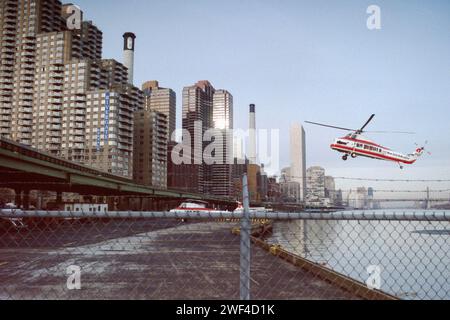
[{"x": 413, "y": 256}]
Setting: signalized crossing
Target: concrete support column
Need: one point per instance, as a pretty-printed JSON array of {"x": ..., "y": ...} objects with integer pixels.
[
  {"x": 58, "y": 197},
  {"x": 39, "y": 200},
  {"x": 124, "y": 203},
  {"x": 18, "y": 197},
  {"x": 26, "y": 199}
]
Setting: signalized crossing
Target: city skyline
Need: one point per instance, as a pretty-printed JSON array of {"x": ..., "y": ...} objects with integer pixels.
[{"x": 371, "y": 72}]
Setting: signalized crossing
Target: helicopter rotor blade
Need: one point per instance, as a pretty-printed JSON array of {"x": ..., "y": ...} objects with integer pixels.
[
  {"x": 399, "y": 132},
  {"x": 328, "y": 126},
  {"x": 365, "y": 125}
]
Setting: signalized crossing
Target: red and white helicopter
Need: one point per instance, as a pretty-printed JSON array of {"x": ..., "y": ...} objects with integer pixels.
[{"x": 355, "y": 145}]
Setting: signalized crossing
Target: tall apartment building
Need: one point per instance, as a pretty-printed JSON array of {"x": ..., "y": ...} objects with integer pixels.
[
  {"x": 55, "y": 92},
  {"x": 150, "y": 148},
  {"x": 315, "y": 185},
  {"x": 20, "y": 22},
  {"x": 109, "y": 128},
  {"x": 161, "y": 100}
]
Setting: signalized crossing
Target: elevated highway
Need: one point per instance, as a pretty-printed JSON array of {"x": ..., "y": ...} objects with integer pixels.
[{"x": 24, "y": 168}]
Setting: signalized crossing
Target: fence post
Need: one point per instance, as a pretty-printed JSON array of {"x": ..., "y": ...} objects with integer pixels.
[{"x": 245, "y": 244}]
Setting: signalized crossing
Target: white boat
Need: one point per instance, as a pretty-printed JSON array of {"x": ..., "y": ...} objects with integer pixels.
[
  {"x": 193, "y": 206},
  {"x": 240, "y": 209}
]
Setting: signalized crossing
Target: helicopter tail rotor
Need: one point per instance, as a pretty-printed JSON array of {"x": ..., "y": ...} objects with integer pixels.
[{"x": 421, "y": 150}]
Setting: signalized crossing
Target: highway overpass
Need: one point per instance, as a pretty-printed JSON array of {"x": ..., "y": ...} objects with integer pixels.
[{"x": 23, "y": 169}]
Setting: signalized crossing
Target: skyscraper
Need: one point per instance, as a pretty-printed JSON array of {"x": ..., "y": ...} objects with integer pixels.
[
  {"x": 196, "y": 119},
  {"x": 298, "y": 158},
  {"x": 222, "y": 110},
  {"x": 221, "y": 173},
  {"x": 55, "y": 92},
  {"x": 161, "y": 100},
  {"x": 20, "y": 22},
  {"x": 206, "y": 108}
]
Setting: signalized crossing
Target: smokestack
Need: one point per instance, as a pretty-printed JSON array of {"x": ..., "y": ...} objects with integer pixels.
[
  {"x": 128, "y": 54},
  {"x": 252, "y": 135}
]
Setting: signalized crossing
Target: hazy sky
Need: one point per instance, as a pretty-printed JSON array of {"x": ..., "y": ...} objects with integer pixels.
[{"x": 304, "y": 60}]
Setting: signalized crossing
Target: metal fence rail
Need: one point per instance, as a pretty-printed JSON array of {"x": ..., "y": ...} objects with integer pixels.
[{"x": 382, "y": 215}]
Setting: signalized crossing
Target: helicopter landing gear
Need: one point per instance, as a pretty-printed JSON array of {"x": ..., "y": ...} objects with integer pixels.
[
  {"x": 401, "y": 167},
  {"x": 345, "y": 157},
  {"x": 353, "y": 155}
]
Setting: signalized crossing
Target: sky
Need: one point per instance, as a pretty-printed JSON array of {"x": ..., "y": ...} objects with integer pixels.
[{"x": 304, "y": 60}]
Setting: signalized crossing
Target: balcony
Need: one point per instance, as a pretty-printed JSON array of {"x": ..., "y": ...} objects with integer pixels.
[
  {"x": 78, "y": 145},
  {"x": 7, "y": 68},
  {"x": 54, "y": 127},
  {"x": 27, "y": 79},
  {"x": 26, "y": 97},
  {"x": 25, "y": 122},
  {"x": 6, "y": 107},
  {"x": 56, "y": 75},
  {"x": 80, "y": 106},
  {"x": 25, "y": 109},
  {"x": 5, "y": 124},
  {"x": 4, "y": 99},
  {"x": 25, "y": 130},
  {"x": 26, "y": 91},
  {"x": 55, "y": 101},
  {"x": 54, "y": 121},
  {"x": 27, "y": 54},
  {"x": 54, "y": 134},
  {"x": 8, "y": 49},
  {"x": 9, "y": 39},
  {"x": 55, "y": 94},
  {"x": 78, "y": 132},
  {"x": 78, "y": 139},
  {"x": 56, "y": 88}
]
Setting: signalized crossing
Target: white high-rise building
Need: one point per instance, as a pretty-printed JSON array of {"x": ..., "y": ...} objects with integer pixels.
[
  {"x": 316, "y": 186},
  {"x": 222, "y": 114},
  {"x": 298, "y": 158}
]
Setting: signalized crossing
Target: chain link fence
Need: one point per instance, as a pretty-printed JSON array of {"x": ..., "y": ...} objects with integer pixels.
[{"x": 224, "y": 255}]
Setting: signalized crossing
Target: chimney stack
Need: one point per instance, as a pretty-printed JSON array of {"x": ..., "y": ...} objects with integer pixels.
[
  {"x": 252, "y": 135},
  {"x": 128, "y": 54}
]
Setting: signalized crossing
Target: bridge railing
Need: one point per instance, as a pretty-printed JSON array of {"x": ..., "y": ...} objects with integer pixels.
[{"x": 207, "y": 255}]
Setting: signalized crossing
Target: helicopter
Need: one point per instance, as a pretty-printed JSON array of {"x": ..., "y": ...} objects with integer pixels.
[{"x": 355, "y": 145}]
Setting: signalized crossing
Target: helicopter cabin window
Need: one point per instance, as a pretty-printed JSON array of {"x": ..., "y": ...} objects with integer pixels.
[
  {"x": 359, "y": 145},
  {"x": 371, "y": 148},
  {"x": 342, "y": 142}
]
